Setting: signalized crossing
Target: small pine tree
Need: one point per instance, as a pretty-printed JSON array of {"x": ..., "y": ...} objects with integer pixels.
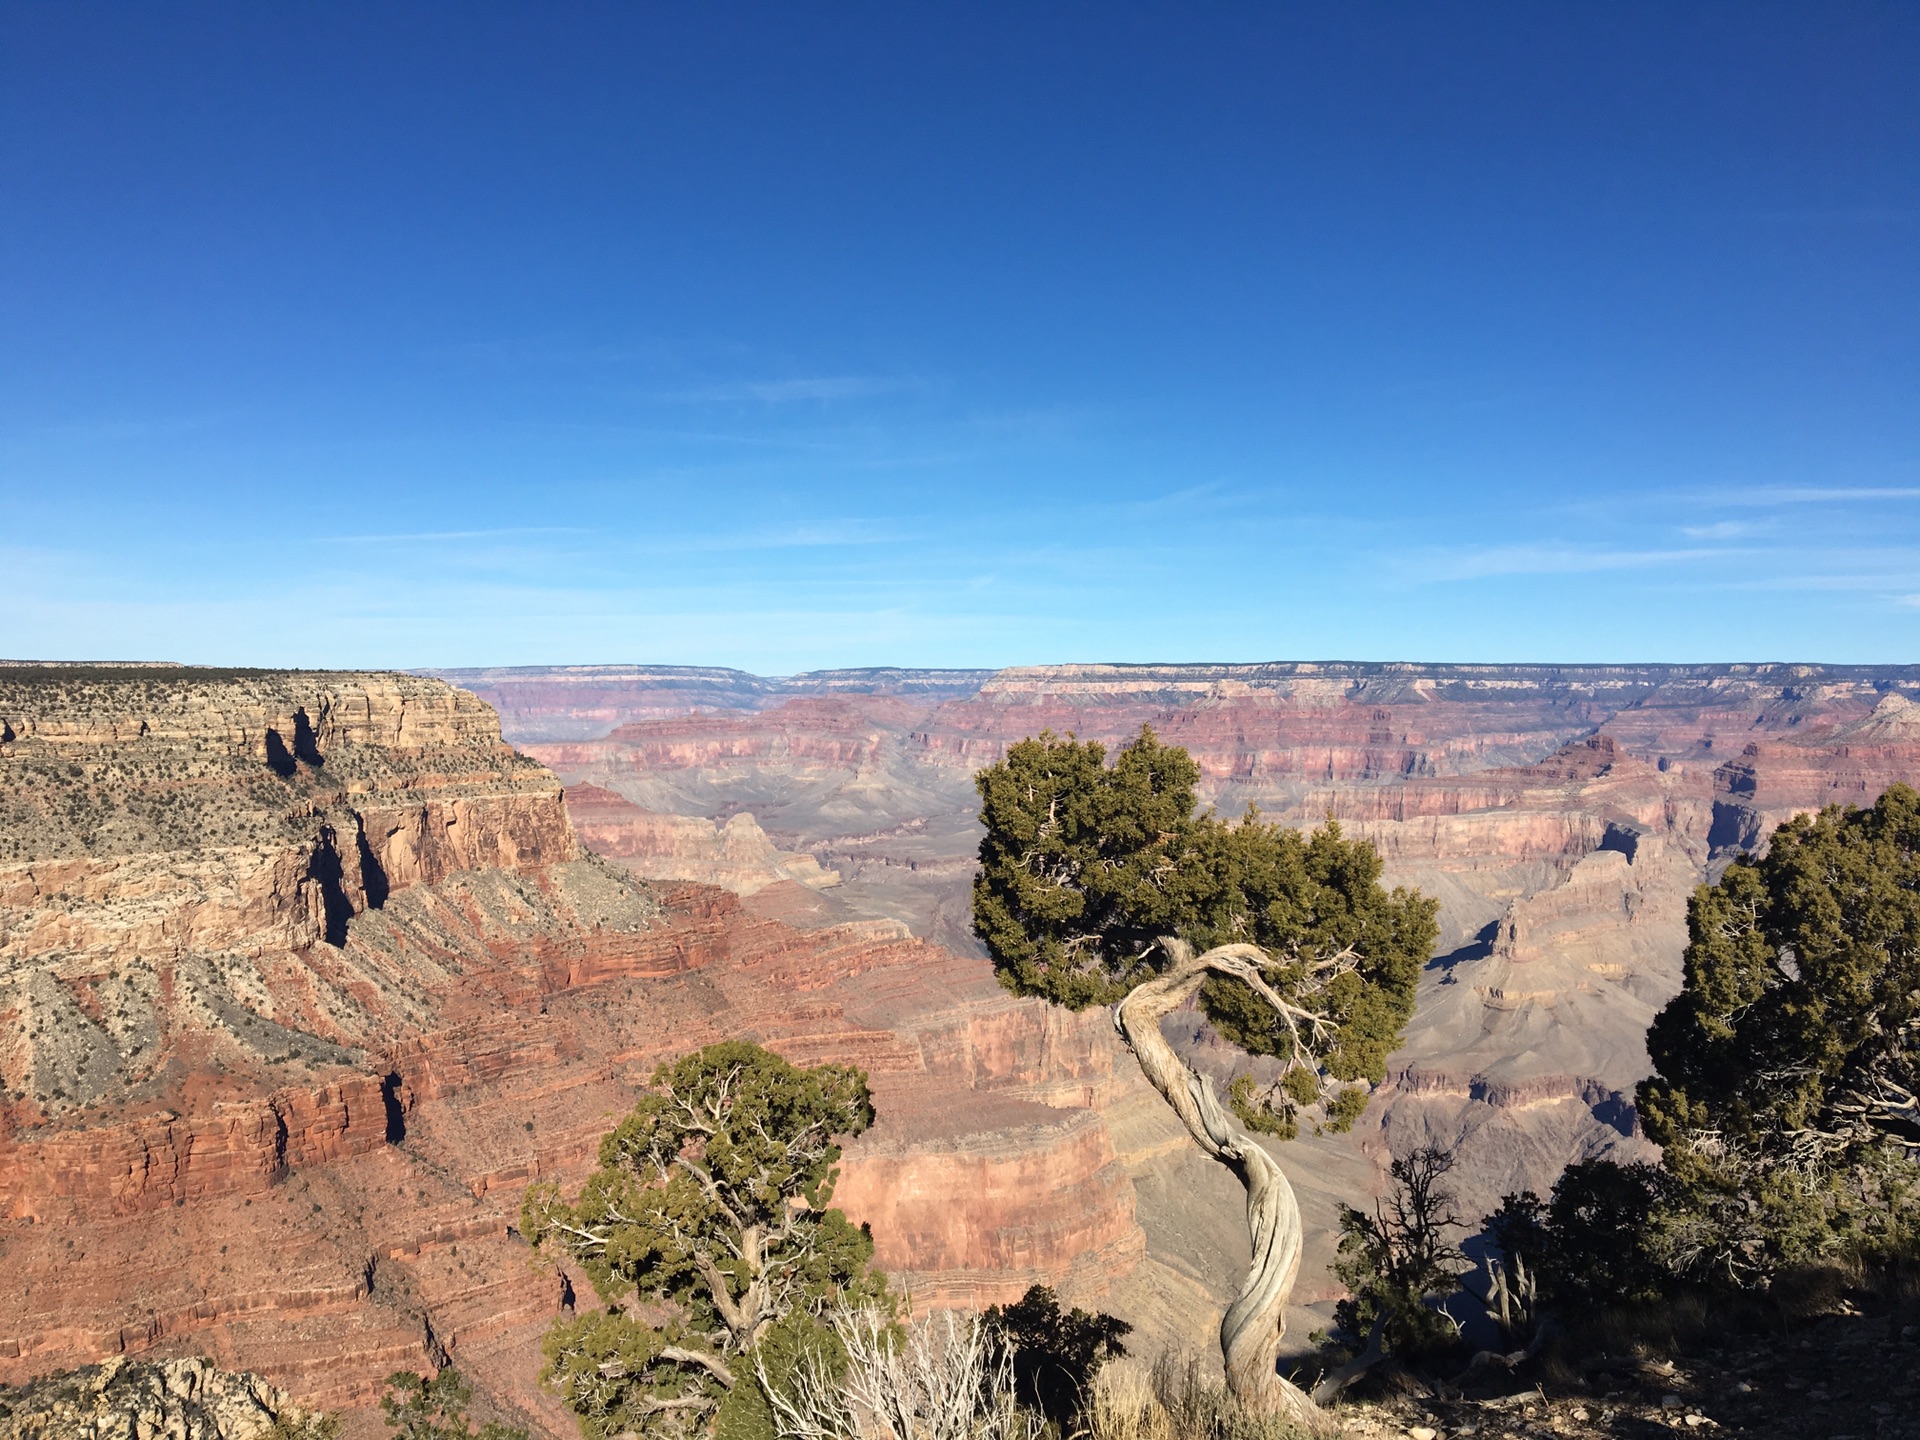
[{"x": 1399, "y": 1260}]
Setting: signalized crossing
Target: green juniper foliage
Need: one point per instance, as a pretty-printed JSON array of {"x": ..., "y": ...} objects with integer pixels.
[
  {"x": 317, "y": 1425},
  {"x": 436, "y": 1409},
  {"x": 705, "y": 1228},
  {"x": 1786, "y": 1069},
  {"x": 786, "y": 1346},
  {"x": 1056, "y": 1353},
  {"x": 1608, "y": 1235},
  {"x": 1086, "y": 867}
]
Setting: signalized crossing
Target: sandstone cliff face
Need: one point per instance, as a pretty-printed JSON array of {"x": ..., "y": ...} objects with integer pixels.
[
  {"x": 307, "y": 976},
  {"x": 1844, "y": 758},
  {"x": 327, "y": 1233},
  {"x": 834, "y": 776},
  {"x": 294, "y": 1021},
  {"x": 166, "y": 844},
  {"x": 583, "y": 702}
]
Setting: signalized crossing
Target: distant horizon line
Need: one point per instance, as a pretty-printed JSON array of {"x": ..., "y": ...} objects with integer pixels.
[{"x": 1194, "y": 667}]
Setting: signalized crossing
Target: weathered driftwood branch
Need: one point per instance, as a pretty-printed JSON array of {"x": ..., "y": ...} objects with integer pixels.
[
  {"x": 1251, "y": 1331},
  {"x": 1335, "y": 1383}
]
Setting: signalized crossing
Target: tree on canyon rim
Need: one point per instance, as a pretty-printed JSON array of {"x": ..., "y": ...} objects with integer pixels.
[
  {"x": 1787, "y": 1070},
  {"x": 706, "y": 1230},
  {"x": 1100, "y": 885}
]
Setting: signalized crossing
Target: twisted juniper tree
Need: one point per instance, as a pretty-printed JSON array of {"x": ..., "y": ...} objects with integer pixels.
[
  {"x": 705, "y": 1229},
  {"x": 1100, "y": 885}
]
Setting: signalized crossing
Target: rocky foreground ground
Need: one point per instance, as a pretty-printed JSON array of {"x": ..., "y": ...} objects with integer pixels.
[
  {"x": 185, "y": 1399},
  {"x": 1846, "y": 1377}
]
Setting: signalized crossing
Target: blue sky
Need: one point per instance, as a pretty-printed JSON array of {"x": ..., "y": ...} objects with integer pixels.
[{"x": 800, "y": 336}]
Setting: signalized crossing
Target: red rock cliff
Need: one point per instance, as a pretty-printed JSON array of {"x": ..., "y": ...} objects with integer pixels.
[{"x": 307, "y": 977}]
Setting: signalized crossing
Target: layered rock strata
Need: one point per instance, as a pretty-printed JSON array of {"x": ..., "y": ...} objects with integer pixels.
[
  {"x": 310, "y": 977},
  {"x": 580, "y": 702},
  {"x": 1562, "y": 815},
  {"x": 733, "y": 854},
  {"x": 169, "y": 843}
]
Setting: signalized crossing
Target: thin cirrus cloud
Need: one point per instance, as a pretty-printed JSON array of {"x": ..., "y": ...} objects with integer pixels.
[
  {"x": 1763, "y": 495},
  {"x": 818, "y": 535},
  {"x": 1210, "y": 495},
  {"x": 1720, "y": 530},
  {"x": 421, "y": 537},
  {"x": 817, "y": 388},
  {"x": 1500, "y": 560}
]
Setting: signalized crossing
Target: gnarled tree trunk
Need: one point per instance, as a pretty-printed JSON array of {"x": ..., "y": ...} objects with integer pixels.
[{"x": 1252, "y": 1328}]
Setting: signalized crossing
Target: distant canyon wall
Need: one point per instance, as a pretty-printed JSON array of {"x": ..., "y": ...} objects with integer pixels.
[{"x": 1561, "y": 814}]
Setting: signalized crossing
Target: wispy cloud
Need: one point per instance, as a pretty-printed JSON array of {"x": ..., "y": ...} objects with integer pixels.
[
  {"x": 1208, "y": 496},
  {"x": 817, "y": 388},
  {"x": 114, "y": 429},
  {"x": 1813, "y": 494},
  {"x": 431, "y": 536},
  {"x": 1556, "y": 560},
  {"x": 816, "y": 534},
  {"x": 1719, "y": 530}
]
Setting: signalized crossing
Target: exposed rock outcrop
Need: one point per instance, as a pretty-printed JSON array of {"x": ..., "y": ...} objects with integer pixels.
[
  {"x": 582, "y": 702},
  {"x": 1779, "y": 775},
  {"x": 167, "y": 842},
  {"x": 139, "y": 1400},
  {"x": 305, "y": 977}
]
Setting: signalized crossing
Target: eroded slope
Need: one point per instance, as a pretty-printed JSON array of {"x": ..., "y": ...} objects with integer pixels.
[{"x": 308, "y": 977}]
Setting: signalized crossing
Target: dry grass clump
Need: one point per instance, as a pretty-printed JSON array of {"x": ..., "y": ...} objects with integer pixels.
[{"x": 1176, "y": 1400}]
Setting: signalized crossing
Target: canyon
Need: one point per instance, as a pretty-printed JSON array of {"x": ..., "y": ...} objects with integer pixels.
[
  {"x": 306, "y": 976},
  {"x": 1562, "y": 815}
]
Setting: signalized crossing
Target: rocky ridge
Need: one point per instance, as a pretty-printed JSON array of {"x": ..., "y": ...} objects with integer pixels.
[
  {"x": 138, "y": 1400},
  {"x": 329, "y": 977},
  {"x": 733, "y": 854},
  {"x": 581, "y": 702}
]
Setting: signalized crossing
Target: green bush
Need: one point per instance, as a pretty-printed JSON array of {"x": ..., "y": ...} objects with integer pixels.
[{"x": 1056, "y": 1353}]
